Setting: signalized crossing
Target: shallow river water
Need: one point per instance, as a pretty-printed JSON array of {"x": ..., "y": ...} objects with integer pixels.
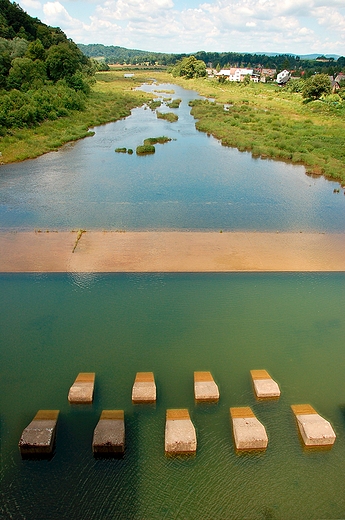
[{"x": 53, "y": 326}]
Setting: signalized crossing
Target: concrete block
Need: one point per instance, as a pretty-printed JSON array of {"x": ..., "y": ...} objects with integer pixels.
[
  {"x": 205, "y": 389},
  {"x": 180, "y": 436},
  {"x": 144, "y": 388},
  {"x": 109, "y": 434},
  {"x": 38, "y": 437},
  {"x": 249, "y": 433},
  {"x": 264, "y": 386},
  {"x": 314, "y": 429},
  {"x": 82, "y": 389}
]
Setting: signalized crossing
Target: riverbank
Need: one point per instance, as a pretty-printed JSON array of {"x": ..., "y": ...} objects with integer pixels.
[
  {"x": 172, "y": 251},
  {"x": 109, "y": 101}
]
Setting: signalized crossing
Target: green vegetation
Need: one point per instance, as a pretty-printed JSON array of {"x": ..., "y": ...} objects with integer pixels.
[
  {"x": 168, "y": 116},
  {"x": 157, "y": 140},
  {"x": 124, "y": 150},
  {"x": 148, "y": 146},
  {"x": 175, "y": 103},
  {"x": 301, "y": 65},
  {"x": 111, "y": 98},
  {"x": 153, "y": 104},
  {"x": 145, "y": 149},
  {"x": 272, "y": 122},
  {"x": 316, "y": 86},
  {"x": 189, "y": 68}
]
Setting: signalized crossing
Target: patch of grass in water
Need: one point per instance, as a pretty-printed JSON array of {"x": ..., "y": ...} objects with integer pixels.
[{"x": 168, "y": 116}]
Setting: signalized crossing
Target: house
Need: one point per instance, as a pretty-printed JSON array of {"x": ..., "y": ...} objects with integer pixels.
[
  {"x": 283, "y": 77},
  {"x": 235, "y": 74}
]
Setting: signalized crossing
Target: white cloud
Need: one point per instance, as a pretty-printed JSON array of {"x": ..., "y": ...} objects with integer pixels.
[
  {"x": 297, "y": 26},
  {"x": 31, "y": 4}
]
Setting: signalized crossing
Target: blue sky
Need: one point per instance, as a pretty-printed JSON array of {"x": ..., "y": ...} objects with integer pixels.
[{"x": 293, "y": 26}]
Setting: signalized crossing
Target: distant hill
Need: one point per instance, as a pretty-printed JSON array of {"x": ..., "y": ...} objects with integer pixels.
[{"x": 114, "y": 54}]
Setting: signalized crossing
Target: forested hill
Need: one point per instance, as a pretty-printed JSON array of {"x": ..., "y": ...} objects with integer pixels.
[
  {"x": 43, "y": 74},
  {"x": 114, "y": 54}
]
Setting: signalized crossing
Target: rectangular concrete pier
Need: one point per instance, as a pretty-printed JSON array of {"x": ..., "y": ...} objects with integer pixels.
[
  {"x": 82, "y": 389},
  {"x": 264, "y": 386},
  {"x": 109, "y": 434},
  {"x": 314, "y": 429},
  {"x": 205, "y": 389},
  {"x": 180, "y": 436},
  {"x": 144, "y": 388},
  {"x": 38, "y": 437},
  {"x": 249, "y": 433}
]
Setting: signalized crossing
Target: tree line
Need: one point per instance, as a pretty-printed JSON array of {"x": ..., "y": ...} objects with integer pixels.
[{"x": 120, "y": 55}]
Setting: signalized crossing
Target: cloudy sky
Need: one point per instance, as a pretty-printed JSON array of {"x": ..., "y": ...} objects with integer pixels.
[{"x": 293, "y": 26}]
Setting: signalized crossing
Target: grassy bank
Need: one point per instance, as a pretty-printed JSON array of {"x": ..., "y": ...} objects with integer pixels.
[
  {"x": 112, "y": 98},
  {"x": 271, "y": 122}
]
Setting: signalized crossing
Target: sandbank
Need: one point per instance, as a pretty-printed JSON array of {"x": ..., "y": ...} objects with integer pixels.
[{"x": 170, "y": 251}]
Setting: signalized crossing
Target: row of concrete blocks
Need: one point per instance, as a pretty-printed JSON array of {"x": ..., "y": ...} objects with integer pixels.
[
  {"x": 144, "y": 388},
  {"x": 180, "y": 436}
]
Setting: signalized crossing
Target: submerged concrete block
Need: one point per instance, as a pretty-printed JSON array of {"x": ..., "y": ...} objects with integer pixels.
[
  {"x": 82, "y": 389},
  {"x": 144, "y": 388},
  {"x": 180, "y": 436},
  {"x": 109, "y": 434},
  {"x": 38, "y": 437},
  {"x": 264, "y": 386},
  {"x": 205, "y": 389},
  {"x": 314, "y": 429},
  {"x": 249, "y": 433}
]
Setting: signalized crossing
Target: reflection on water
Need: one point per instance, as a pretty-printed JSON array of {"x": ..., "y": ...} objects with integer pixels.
[
  {"x": 192, "y": 182},
  {"x": 53, "y": 327}
]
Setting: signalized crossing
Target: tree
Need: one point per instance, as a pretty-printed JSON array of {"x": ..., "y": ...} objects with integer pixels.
[
  {"x": 36, "y": 51},
  {"x": 246, "y": 79},
  {"x": 316, "y": 86},
  {"x": 62, "y": 61},
  {"x": 25, "y": 73},
  {"x": 190, "y": 67}
]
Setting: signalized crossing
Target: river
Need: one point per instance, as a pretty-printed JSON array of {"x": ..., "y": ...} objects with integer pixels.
[{"x": 53, "y": 326}]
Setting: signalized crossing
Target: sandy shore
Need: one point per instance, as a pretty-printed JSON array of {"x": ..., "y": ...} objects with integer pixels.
[{"x": 111, "y": 251}]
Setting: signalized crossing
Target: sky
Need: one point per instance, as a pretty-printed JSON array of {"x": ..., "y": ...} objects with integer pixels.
[{"x": 186, "y": 26}]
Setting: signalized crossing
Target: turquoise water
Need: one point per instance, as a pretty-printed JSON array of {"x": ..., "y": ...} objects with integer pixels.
[{"x": 53, "y": 326}]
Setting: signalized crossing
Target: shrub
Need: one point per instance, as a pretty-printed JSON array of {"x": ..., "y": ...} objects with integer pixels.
[
  {"x": 145, "y": 149},
  {"x": 168, "y": 116}
]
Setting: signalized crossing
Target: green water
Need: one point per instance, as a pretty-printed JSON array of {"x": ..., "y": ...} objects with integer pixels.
[{"x": 54, "y": 326}]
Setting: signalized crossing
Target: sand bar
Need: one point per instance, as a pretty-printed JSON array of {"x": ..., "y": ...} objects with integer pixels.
[{"x": 171, "y": 251}]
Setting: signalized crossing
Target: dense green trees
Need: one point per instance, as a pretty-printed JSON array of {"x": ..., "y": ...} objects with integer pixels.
[
  {"x": 316, "y": 86},
  {"x": 43, "y": 75},
  {"x": 190, "y": 68}
]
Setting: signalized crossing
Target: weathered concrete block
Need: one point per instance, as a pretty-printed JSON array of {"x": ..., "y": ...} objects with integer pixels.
[
  {"x": 109, "y": 434},
  {"x": 144, "y": 388},
  {"x": 249, "y": 433},
  {"x": 205, "y": 389},
  {"x": 82, "y": 389},
  {"x": 180, "y": 436},
  {"x": 264, "y": 386},
  {"x": 38, "y": 437},
  {"x": 314, "y": 429}
]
